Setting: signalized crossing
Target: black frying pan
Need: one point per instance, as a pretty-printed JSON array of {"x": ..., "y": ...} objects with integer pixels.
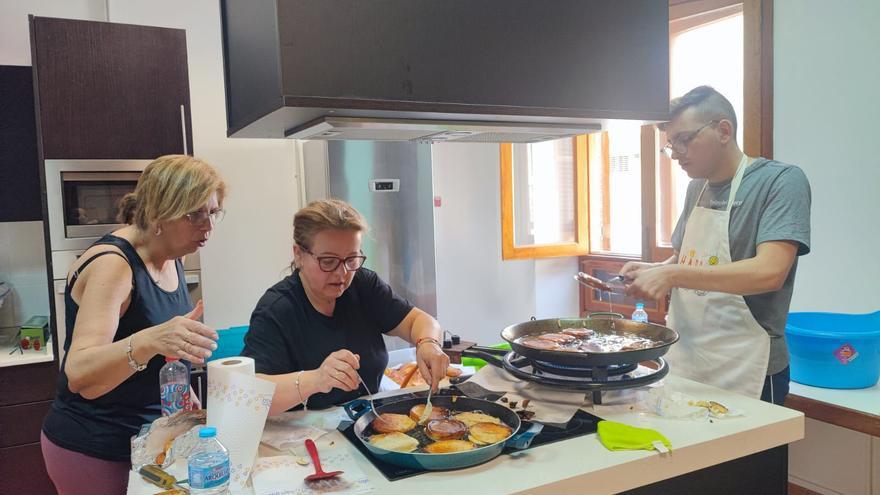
[{"x": 664, "y": 337}]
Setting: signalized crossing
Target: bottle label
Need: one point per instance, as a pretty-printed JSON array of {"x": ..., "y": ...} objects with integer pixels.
[
  {"x": 209, "y": 476},
  {"x": 175, "y": 397}
]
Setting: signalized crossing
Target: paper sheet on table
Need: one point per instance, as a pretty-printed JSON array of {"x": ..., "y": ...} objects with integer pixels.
[
  {"x": 283, "y": 475},
  {"x": 290, "y": 429},
  {"x": 551, "y": 406}
]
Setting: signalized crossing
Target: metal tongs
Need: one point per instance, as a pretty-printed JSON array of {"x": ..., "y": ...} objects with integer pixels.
[{"x": 613, "y": 285}]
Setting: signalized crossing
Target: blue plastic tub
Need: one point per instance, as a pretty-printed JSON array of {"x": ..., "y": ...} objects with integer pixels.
[
  {"x": 230, "y": 342},
  {"x": 834, "y": 350}
]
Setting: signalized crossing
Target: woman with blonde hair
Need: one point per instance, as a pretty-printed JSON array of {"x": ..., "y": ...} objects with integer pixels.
[
  {"x": 127, "y": 308},
  {"x": 318, "y": 333}
]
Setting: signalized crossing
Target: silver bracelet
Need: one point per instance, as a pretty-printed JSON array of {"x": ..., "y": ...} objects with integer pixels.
[
  {"x": 131, "y": 362},
  {"x": 303, "y": 401}
]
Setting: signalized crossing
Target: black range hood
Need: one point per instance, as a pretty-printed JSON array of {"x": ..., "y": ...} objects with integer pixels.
[{"x": 442, "y": 70}]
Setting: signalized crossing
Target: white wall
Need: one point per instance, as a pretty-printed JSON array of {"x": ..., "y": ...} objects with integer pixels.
[
  {"x": 826, "y": 105},
  {"x": 478, "y": 293},
  {"x": 556, "y": 291},
  {"x": 15, "y": 41},
  {"x": 23, "y": 267},
  {"x": 251, "y": 248}
]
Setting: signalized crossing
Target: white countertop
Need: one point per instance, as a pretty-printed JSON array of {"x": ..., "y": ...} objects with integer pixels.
[
  {"x": 567, "y": 466},
  {"x": 27, "y": 356},
  {"x": 866, "y": 400}
]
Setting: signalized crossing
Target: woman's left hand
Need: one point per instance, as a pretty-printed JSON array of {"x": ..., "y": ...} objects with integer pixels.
[{"x": 432, "y": 363}]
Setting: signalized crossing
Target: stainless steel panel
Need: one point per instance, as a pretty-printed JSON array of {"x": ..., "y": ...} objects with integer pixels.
[
  {"x": 400, "y": 245},
  {"x": 101, "y": 176}
]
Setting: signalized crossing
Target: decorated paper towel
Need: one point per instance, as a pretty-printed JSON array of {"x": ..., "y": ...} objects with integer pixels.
[{"x": 238, "y": 404}]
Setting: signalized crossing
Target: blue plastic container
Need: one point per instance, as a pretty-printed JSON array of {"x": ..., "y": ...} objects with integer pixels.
[
  {"x": 230, "y": 342},
  {"x": 834, "y": 350}
]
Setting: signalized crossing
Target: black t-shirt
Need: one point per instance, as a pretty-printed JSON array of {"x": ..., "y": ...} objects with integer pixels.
[{"x": 288, "y": 334}]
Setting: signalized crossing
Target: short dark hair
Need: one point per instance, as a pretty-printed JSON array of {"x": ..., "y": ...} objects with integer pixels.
[{"x": 709, "y": 103}]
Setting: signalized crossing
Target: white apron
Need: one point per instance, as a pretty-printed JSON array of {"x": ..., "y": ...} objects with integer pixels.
[{"x": 720, "y": 343}]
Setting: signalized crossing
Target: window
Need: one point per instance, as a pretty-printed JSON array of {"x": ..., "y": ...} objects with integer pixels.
[
  {"x": 615, "y": 169},
  {"x": 544, "y": 199}
]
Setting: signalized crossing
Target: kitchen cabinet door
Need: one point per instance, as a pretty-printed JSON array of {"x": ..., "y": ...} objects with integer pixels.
[
  {"x": 28, "y": 383},
  {"x": 110, "y": 91},
  {"x": 19, "y": 172},
  {"x": 21, "y": 424}
]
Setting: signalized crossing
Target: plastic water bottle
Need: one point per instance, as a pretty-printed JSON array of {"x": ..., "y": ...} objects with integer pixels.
[
  {"x": 639, "y": 314},
  {"x": 208, "y": 465},
  {"x": 174, "y": 387}
]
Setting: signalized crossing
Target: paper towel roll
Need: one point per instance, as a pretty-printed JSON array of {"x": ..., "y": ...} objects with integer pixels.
[
  {"x": 238, "y": 364},
  {"x": 238, "y": 403}
]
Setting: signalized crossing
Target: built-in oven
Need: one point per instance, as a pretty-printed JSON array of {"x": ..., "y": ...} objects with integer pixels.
[{"x": 82, "y": 198}]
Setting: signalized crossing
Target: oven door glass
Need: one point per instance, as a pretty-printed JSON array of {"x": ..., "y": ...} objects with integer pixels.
[{"x": 91, "y": 201}]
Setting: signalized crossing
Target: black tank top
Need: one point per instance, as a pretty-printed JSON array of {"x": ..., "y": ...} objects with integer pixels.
[{"x": 103, "y": 427}]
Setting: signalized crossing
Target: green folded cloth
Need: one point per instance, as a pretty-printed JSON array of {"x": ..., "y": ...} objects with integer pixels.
[{"x": 618, "y": 436}]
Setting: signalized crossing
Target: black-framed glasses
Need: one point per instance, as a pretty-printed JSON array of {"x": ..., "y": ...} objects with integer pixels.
[
  {"x": 680, "y": 144},
  {"x": 331, "y": 263},
  {"x": 200, "y": 217}
]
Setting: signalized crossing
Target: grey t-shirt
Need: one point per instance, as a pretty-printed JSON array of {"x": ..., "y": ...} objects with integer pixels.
[{"x": 772, "y": 204}]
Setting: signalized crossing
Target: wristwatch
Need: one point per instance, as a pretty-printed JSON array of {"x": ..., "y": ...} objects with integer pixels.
[{"x": 131, "y": 362}]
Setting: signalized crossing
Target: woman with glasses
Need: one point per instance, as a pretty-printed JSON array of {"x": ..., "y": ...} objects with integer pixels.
[
  {"x": 127, "y": 309},
  {"x": 318, "y": 333}
]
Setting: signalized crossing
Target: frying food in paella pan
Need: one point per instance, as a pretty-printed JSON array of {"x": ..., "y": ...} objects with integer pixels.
[{"x": 586, "y": 341}]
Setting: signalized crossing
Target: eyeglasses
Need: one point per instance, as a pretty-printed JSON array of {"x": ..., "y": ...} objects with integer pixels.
[
  {"x": 331, "y": 263},
  {"x": 201, "y": 216},
  {"x": 680, "y": 144}
]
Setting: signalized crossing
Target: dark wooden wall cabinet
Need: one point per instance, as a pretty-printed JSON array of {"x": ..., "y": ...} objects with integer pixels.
[
  {"x": 289, "y": 61},
  {"x": 19, "y": 172},
  {"x": 26, "y": 394},
  {"x": 110, "y": 91}
]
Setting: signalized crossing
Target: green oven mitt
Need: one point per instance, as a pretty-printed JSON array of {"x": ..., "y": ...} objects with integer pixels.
[{"x": 618, "y": 436}]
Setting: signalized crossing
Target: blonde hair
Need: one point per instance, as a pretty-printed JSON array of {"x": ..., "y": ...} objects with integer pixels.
[
  {"x": 170, "y": 187},
  {"x": 325, "y": 214}
]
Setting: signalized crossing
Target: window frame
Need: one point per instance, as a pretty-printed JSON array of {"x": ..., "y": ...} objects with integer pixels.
[{"x": 581, "y": 244}]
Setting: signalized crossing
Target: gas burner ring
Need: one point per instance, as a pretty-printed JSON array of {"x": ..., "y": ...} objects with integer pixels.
[
  {"x": 515, "y": 364},
  {"x": 598, "y": 373}
]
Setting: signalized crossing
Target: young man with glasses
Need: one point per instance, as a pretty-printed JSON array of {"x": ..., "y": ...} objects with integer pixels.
[
  {"x": 744, "y": 224},
  {"x": 317, "y": 334}
]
